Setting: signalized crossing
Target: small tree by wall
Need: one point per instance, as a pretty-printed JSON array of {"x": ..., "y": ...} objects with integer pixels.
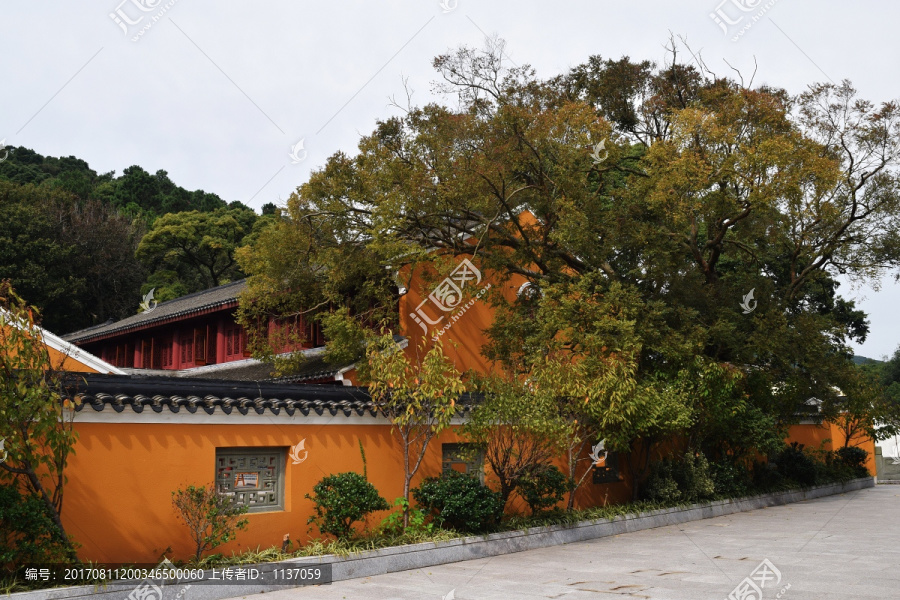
[
  {"x": 519, "y": 428},
  {"x": 211, "y": 518},
  {"x": 35, "y": 420},
  {"x": 419, "y": 397}
]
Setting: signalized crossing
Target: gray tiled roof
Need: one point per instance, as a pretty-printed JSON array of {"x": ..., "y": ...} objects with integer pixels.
[
  {"x": 217, "y": 296},
  {"x": 173, "y": 394}
]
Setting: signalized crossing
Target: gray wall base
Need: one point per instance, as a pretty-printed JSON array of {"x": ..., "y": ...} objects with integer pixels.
[{"x": 416, "y": 556}]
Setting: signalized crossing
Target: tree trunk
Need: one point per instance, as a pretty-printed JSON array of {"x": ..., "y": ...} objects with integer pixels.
[
  {"x": 571, "y": 501},
  {"x": 407, "y": 476}
]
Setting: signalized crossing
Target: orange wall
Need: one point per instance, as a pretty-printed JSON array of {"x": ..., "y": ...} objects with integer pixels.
[
  {"x": 121, "y": 479},
  {"x": 465, "y": 338},
  {"x": 63, "y": 362},
  {"x": 828, "y": 436},
  {"x": 119, "y": 497}
]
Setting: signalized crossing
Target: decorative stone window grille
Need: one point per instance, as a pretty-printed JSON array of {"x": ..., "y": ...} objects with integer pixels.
[
  {"x": 464, "y": 458},
  {"x": 253, "y": 477}
]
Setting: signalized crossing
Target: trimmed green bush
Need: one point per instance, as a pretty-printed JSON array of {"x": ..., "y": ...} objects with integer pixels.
[
  {"x": 854, "y": 459},
  {"x": 544, "y": 489},
  {"x": 797, "y": 465},
  {"x": 766, "y": 477},
  {"x": 685, "y": 480},
  {"x": 460, "y": 502},
  {"x": 729, "y": 479},
  {"x": 342, "y": 499}
]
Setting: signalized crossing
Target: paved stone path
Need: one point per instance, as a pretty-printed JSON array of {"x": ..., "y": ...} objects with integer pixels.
[{"x": 840, "y": 547}]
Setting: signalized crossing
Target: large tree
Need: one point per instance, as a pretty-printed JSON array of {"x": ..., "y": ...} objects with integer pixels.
[
  {"x": 74, "y": 259},
  {"x": 193, "y": 251},
  {"x": 677, "y": 227}
]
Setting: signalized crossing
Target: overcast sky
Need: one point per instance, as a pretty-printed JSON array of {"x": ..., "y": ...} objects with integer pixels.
[{"x": 218, "y": 93}]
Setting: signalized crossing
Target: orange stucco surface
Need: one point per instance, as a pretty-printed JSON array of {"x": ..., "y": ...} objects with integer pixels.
[
  {"x": 64, "y": 362},
  {"x": 828, "y": 436},
  {"x": 121, "y": 479}
]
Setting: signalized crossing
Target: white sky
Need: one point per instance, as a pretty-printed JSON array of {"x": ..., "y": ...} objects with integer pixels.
[{"x": 217, "y": 93}]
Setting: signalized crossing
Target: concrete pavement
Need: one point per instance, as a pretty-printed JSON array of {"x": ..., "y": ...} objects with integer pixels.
[{"x": 838, "y": 547}]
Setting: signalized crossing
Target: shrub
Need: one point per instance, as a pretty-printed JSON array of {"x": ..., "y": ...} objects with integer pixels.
[
  {"x": 797, "y": 465},
  {"x": 393, "y": 523},
  {"x": 27, "y": 531},
  {"x": 342, "y": 499},
  {"x": 729, "y": 479},
  {"x": 460, "y": 502},
  {"x": 544, "y": 488},
  {"x": 766, "y": 477},
  {"x": 854, "y": 459},
  {"x": 684, "y": 480},
  {"x": 211, "y": 518}
]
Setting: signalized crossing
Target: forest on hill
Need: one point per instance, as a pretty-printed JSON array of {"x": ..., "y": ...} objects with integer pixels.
[{"x": 83, "y": 247}]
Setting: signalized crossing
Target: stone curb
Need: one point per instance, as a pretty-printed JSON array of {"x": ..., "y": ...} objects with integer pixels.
[{"x": 416, "y": 556}]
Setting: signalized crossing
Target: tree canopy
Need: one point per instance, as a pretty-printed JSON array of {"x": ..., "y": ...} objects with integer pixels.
[
  {"x": 192, "y": 251},
  {"x": 68, "y": 237},
  {"x": 687, "y": 231}
]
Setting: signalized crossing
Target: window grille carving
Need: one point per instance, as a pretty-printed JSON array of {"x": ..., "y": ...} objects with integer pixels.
[{"x": 253, "y": 477}]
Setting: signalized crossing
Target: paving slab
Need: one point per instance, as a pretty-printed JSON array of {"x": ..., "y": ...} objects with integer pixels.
[{"x": 842, "y": 547}]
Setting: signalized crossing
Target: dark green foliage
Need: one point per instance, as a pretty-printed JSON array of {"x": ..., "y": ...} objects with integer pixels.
[
  {"x": 27, "y": 532},
  {"x": 212, "y": 518},
  {"x": 729, "y": 479},
  {"x": 766, "y": 477},
  {"x": 68, "y": 237},
  {"x": 342, "y": 499},
  {"x": 416, "y": 520},
  {"x": 686, "y": 479},
  {"x": 795, "y": 464},
  {"x": 854, "y": 459},
  {"x": 544, "y": 488},
  {"x": 460, "y": 502},
  {"x": 136, "y": 192},
  {"x": 194, "y": 250}
]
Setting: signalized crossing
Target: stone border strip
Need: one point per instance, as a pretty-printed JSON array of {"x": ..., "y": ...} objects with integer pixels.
[{"x": 417, "y": 556}]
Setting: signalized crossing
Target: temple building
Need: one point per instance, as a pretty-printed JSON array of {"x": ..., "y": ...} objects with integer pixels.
[{"x": 198, "y": 336}]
